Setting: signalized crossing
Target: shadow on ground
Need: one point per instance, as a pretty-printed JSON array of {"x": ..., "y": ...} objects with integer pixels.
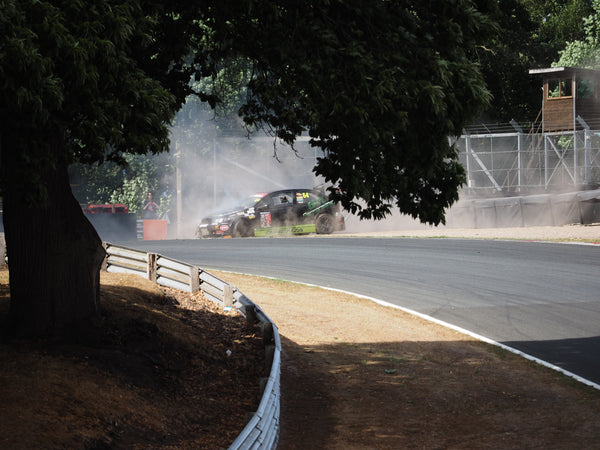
[{"x": 429, "y": 395}]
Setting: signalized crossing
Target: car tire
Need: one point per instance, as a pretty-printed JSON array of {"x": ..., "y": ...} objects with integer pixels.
[
  {"x": 324, "y": 224},
  {"x": 241, "y": 229}
]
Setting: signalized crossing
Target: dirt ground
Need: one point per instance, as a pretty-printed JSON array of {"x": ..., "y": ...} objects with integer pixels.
[
  {"x": 155, "y": 373},
  {"x": 567, "y": 233},
  {"x": 355, "y": 375}
]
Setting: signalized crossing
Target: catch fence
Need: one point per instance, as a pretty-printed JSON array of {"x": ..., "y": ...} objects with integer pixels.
[{"x": 502, "y": 160}]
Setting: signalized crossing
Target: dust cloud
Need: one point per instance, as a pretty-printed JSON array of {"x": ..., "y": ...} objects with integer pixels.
[{"x": 217, "y": 173}]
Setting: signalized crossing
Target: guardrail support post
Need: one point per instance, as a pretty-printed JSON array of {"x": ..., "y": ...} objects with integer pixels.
[
  {"x": 152, "y": 267},
  {"x": 250, "y": 312},
  {"x": 104, "y": 267},
  {"x": 227, "y": 296},
  {"x": 269, "y": 355},
  {"x": 267, "y": 332},
  {"x": 194, "y": 279}
]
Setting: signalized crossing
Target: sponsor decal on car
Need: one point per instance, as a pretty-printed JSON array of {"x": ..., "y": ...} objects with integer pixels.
[{"x": 293, "y": 229}]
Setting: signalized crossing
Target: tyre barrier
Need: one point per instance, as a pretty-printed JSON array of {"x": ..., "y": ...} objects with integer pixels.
[{"x": 262, "y": 431}]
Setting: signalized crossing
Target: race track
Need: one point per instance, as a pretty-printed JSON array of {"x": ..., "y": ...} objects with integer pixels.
[{"x": 540, "y": 298}]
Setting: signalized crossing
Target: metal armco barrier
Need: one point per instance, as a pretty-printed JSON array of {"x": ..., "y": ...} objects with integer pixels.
[{"x": 262, "y": 431}]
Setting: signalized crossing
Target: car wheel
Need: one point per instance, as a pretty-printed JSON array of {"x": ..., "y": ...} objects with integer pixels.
[
  {"x": 324, "y": 224},
  {"x": 241, "y": 229}
]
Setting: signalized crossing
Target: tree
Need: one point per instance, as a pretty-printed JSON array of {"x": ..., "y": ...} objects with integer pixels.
[
  {"x": 378, "y": 85},
  {"x": 556, "y": 22},
  {"x": 129, "y": 184},
  {"x": 505, "y": 59},
  {"x": 81, "y": 82},
  {"x": 532, "y": 33},
  {"x": 584, "y": 53}
]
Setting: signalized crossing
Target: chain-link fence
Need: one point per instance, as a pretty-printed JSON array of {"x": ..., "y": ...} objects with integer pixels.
[{"x": 517, "y": 162}]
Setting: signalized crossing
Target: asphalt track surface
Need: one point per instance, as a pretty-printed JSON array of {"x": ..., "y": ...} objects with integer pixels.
[{"x": 540, "y": 298}]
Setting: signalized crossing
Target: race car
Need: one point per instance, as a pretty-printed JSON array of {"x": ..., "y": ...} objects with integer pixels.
[{"x": 287, "y": 211}]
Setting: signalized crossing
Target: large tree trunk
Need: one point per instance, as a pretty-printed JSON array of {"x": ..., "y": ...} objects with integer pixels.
[{"x": 54, "y": 258}]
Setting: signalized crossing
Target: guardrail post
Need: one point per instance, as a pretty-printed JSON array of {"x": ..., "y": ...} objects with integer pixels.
[
  {"x": 227, "y": 296},
  {"x": 104, "y": 266},
  {"x": 269, "y": 355},
  {"x": 152, "y": 267},
  {"x": 194, "y": 279},
  {"x": 250, "y": 312},
  {"x": 267, "y": 332}
]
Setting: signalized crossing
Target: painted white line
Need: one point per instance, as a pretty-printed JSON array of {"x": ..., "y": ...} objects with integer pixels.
[{"x": 444, "y": 324}]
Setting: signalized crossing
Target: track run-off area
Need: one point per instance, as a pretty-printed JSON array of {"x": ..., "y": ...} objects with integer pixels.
[{"x": 540, "y": 298}]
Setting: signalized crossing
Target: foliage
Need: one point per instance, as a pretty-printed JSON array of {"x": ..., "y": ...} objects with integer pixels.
[
  {"x": 585, "y": 52},
  {"x": 94, "y": 183},
  {"x": 129, "y": 184},
  {"x": 194, "y": 127},
  {"x": 556, "y": 22},
  {"x": 196, "y": 124},
  {"x": 82, "y": 77},
  {"x": 505, "y": 58},
  {"x": 164, "y": 205},
  {"x": 532, "y": 32},
  {"x": 379, "y": 85}
]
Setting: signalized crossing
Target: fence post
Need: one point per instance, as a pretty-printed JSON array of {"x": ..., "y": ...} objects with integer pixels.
[
  {"x": 519, "y": 150},
  {"x": 468, "y": 157},
  {"x": 250, "y": 311},
  {"x": 151, "y": 271},
  {"x": 586, "y": 146}
]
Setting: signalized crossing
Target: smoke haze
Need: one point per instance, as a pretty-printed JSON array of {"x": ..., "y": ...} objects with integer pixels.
[
  {"x": 220, "y": 173},
  {"x": 216, "y": 173}
]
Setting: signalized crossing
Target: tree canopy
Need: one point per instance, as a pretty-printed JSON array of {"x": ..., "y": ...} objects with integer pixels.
[
  {"x": 555, "y": 23},
  {"x": 378, "y": 85},
  {"x": 532, "y": 32},
  {"x": 584, "y": 52}
]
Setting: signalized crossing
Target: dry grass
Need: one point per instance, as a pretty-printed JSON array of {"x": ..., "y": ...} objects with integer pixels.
[
  {"x": 154, "y": 374},
  {"x": 355, "y": 375}
]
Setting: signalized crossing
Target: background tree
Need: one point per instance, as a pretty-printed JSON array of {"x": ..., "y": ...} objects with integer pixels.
[
  {"x": 505, "y": 58},
  {"x": 556, "y": 22},
  {"x": 127, "y": 183},
  {"x": 584, "y": 52},
  {"x": 378, "y": 85},
  {"x": 531, "y": 33},
  {"x": 194, "y": 128}
]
